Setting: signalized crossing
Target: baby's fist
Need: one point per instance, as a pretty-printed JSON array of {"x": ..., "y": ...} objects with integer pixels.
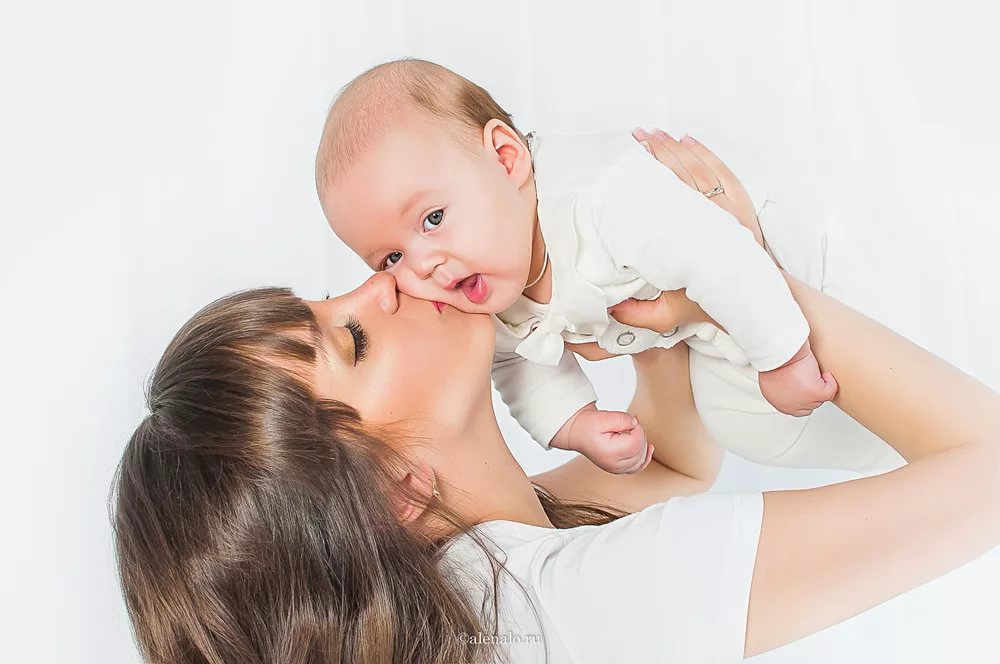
[
  {"x": 798, "y": 387},
  {"x": 613, "y": 441}
]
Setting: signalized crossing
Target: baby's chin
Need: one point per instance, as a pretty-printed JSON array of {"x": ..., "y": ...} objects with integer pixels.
[{"x": 499, "y": 300}]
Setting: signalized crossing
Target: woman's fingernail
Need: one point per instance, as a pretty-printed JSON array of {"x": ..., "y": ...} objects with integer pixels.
[
  {"x": 687, "y": 140},
  {"x": 634, "y": 421}
]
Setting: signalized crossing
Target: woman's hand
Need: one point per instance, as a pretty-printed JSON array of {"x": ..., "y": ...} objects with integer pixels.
[
  {"x": 666, "y": 312},
  {"x": 699, "y": 168}
]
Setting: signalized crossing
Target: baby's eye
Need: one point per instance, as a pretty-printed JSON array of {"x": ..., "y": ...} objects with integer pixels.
[
  {"x": 433, "y": 220},
  {"x": 392, "y": 259}
]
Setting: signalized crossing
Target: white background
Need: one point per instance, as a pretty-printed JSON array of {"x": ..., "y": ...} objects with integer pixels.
[{"x": 156, "y": 156}]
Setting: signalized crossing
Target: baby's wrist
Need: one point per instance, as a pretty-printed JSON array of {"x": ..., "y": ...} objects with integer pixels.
[
  {"x": 801, "y": 354},
  {"x": 563, "y": 439}
]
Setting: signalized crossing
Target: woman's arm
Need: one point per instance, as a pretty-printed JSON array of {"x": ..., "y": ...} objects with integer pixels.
[
  {"x": 829, "y": 553},
  {"x": 686, "y": 459}
]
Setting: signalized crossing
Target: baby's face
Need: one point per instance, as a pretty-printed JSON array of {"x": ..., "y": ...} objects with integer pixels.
[{"x": 452, "y": 226}]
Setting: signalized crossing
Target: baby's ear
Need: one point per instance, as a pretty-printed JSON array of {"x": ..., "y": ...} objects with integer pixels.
[{"x": 501, "y": 141}]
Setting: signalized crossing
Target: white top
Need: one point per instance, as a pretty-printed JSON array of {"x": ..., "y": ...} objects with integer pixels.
[
  {"x": 618, "y": 224},
  {"x": 670, "y": 583}
]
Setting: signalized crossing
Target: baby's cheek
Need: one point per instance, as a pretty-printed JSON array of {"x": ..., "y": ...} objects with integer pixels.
[
  {"x": 425, "y": 289},
  {"x": 505, "y": 293}
]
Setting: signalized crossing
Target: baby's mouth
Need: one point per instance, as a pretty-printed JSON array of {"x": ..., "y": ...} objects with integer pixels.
[{"x": 474, "y": 288}]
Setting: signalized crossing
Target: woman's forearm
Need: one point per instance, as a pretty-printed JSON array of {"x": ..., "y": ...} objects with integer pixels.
[
  {"x": 664, "y": 404},
  {"x": 686, "y": 459},
  {"x": 826, "y": 554},
  {"x": 914, "y": 401}
]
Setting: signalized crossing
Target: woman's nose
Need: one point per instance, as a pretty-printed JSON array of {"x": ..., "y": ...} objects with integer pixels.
[{"x": 382, "y": 286}]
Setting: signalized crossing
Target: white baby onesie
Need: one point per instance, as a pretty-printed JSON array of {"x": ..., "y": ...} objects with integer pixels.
[{"x": 618, "y": 224}]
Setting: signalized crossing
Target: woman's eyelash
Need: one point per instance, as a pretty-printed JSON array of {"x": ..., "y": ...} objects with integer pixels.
[
  {"x": 360, "y": 339},
  {"x": 326, "y": 295}
]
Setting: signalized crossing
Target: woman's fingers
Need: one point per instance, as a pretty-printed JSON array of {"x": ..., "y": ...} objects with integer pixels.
[
  {"x": 696, "y": 160},
  {"x": 686, "y": 165},
  {"x": 663, "y": 155},
  {"x": 651, "y": 314},
  {"x": 640, "y": 134},
  {"x": 738, "y": 199},
  {"x": 735, "y": 200},
  {"x": 707, "y": 157},
  {"x": 669, "y": 310},
  {"x": 704, "y": 178},
  {"x": 590, "y": 351}
]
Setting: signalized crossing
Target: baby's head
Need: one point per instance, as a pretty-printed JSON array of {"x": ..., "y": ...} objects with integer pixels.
[{"x": 423, "y": 174}]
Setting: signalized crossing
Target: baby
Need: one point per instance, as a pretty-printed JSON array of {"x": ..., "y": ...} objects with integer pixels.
[{"x": 421, "y": 173}]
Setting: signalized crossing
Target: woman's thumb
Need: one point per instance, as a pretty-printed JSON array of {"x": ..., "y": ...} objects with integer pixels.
[{"x": 641, "y": 313}]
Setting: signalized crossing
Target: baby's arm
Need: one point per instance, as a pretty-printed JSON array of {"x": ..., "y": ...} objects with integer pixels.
[
  {"x": 556, "y": 406},
  {"x": 673, "y": 237}
]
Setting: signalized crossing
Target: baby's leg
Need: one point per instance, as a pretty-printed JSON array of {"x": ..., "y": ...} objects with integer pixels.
[
  {"x": 743, "y": 422},
  {"x": 816, "y": 251}
]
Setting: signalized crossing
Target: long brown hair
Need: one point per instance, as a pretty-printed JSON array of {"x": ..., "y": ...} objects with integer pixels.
[{"x": 254, "y": 522}]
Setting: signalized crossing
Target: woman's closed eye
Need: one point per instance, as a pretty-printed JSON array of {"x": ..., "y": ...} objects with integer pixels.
[
  {"x": 357, "y": 333},
  {"x": 360, "y": 339}
]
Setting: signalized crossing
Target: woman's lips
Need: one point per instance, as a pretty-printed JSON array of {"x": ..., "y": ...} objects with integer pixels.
[{"x": 474, "y": 288}]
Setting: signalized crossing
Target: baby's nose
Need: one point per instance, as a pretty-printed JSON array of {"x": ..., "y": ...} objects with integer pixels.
[
  {"x": 425, "y": 265},
  {"x": 442, "y": 278}
]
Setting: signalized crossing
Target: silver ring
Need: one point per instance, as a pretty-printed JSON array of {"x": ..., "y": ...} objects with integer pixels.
[{"x": 714, "y": 192}]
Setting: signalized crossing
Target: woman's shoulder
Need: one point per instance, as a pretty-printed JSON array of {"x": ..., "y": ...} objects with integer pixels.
[
  {"x": 699, "y": 511},
  {"x": 681, "y": 568}
]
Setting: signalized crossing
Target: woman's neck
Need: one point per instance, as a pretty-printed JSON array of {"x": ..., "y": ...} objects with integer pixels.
[{"x": 482, "y": 480}]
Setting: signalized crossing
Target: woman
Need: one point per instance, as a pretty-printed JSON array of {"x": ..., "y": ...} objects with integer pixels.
[{"x": 304, "y": 485}]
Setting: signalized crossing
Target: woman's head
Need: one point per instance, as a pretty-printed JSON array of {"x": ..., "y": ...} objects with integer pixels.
[
  {"x": 265, "y": 510},
  {"x": 258, "y": 521}
]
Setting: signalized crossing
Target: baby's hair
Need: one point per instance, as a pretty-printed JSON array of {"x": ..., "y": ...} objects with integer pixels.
[{"x": 364, "y": 108}]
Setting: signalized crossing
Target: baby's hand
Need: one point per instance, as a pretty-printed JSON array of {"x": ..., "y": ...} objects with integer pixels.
[
  {"x": 797, "y": 387},
  {"x": 613, "y": 441}
]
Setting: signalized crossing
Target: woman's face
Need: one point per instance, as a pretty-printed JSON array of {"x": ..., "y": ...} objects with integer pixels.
[{"x": 394, "y": 357}]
